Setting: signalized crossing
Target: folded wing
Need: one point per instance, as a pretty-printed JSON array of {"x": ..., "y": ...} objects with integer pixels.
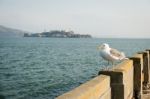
[{"x": 117, "y": 54}]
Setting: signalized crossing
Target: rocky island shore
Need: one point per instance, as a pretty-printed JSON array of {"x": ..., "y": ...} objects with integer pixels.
[{"x": 58, "y": 34}]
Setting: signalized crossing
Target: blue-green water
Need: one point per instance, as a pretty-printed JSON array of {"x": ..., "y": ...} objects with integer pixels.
[{"x": 43, "y": 68}]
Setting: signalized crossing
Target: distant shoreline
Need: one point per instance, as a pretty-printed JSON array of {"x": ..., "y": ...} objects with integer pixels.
[{"x": 58, "y": 34}]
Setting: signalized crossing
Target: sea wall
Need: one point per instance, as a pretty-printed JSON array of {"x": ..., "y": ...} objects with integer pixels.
[
  {"x": 125, "y": 81},
  {"x": 96, "y": 88}
]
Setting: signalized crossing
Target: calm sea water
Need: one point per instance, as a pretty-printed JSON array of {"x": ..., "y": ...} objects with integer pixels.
[{"x": 43, "y": 68}]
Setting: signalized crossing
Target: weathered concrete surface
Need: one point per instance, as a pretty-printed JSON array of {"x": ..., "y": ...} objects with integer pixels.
[
  {"x": 138, "y": 75},
  {"x": 97, "y": 88},
  {"x": 146, "y": 96},
  {"x": 145, "y": 67},
  {"x": 127, "y": 66},
  {"x": 148, "y": 50},
  {"x": 121, "y": 80},
  {"x": 146, "y": 91}
]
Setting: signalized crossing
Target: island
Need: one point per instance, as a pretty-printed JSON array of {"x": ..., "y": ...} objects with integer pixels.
[{"x": 58, "y": 34}]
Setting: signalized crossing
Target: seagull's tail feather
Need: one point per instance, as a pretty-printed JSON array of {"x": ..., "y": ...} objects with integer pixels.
[
  {"x": 123, "y": 56},
  {"x": 126, "y": 58}
]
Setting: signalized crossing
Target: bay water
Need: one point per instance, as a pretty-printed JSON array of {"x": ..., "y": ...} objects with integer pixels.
[{"x": 44, "y": 68}]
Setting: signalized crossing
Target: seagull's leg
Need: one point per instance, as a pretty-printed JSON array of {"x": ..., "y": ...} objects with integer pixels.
[
  {"x": 107, "y": 66},
  {"x": 108, "y": 62},
  {"x": 112, "y": 65}
]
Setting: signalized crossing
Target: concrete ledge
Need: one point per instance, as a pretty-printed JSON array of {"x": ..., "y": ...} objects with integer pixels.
[
  {"x": 128, "y": 76},
  {"x": 97, "y": 88},
  {"x": 117, "y": 86},
  {"x": 145, "y": 66},
  {"x": 148, "y": 50},
  {"x": 121, "y": 80},
  {"x": 138, "y": 75},
  {"x": 126, "y": 65}
]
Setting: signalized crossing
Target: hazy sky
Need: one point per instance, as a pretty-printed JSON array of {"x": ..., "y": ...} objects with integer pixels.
[{"x": 100, "y": 18}]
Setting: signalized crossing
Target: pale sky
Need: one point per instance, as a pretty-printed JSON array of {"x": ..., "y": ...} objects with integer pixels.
[{"x": 100, "y": 18}]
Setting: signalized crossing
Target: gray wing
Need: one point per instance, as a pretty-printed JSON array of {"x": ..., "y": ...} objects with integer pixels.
[{"x": 116, "y": 53}]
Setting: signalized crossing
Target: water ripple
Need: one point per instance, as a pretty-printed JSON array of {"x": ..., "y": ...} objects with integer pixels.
[{"x": 43, "y": 68}]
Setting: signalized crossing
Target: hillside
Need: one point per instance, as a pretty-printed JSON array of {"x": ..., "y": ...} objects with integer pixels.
[{"x": 9, "y": 32}]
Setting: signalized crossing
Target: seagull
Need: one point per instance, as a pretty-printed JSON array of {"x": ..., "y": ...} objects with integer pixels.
[{"x": 111, "y": 54}]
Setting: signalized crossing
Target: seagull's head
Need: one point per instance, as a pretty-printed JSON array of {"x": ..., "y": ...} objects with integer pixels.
[{"x": 103, "y": 46}]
